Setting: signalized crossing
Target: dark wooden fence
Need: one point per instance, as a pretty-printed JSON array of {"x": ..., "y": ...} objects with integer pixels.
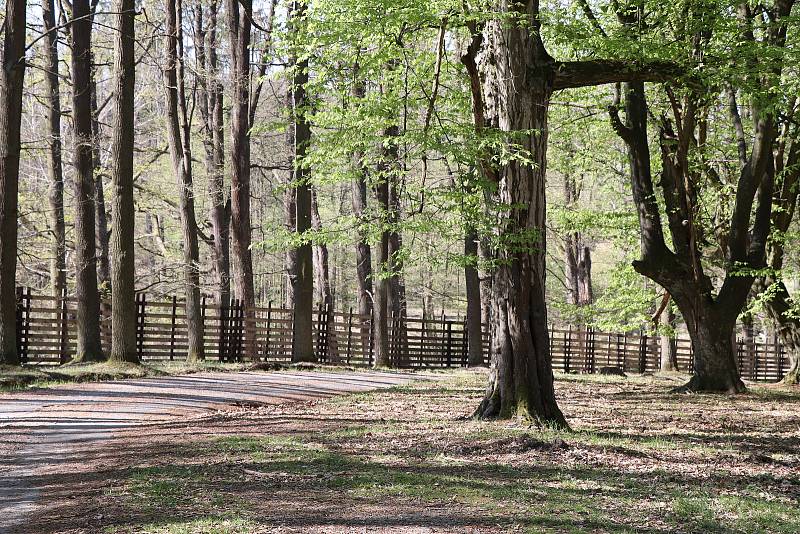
[
  {"x": 586, "y": 350},
  {"x": 46, "y": 335}
]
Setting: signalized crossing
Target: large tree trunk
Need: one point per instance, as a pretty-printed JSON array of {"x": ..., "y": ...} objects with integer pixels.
[
  {"x": 303, "y": 281},
  {"x": 240, "y": 13},
  {"x": 179, "y": 134},
  {"x": 58, "y": 267},
  {"x": 473, "y": 287},
  {"x": 11, "y": 85},
  {"x": 123, "y": 296},
  {"x": 518, "y": 90},
  {"x": 89, "y": 346}
]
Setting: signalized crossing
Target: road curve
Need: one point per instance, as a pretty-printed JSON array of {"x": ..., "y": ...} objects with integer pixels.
[{"x": 39, "y": 427}]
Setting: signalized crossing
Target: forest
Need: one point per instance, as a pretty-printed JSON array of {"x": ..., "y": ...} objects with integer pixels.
[{"x": 627, "y": 165}]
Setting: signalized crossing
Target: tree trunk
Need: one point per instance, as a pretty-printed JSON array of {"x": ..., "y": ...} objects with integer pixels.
[
  {"x": 473, "y": 286},
  {"x": 58, "y": 267},
  {"x": 712, "y": 336},
  {"x": 518, "y": 90},
  {"x": 179, "y": 134},
  {"x": 240, "y": 13},
  {"x": 397, "y": 288},
  {"x": 303, "y": 281},
  {"x": 363, "y": 251},
  {"x": 123, "y": 297},
  {"x": 100, "y": 213},
  {"x": 380, "y": 310},
  {"x": 11, "y": 86},
  {"x": 89, "y": 346},
  {"x": 322, "y": 278},
  {"x": 211, "y": 102}
]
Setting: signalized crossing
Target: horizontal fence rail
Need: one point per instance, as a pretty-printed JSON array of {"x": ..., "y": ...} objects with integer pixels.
[{"x": 46, "y": 334}]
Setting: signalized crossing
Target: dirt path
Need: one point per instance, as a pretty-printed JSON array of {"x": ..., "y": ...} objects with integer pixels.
[{"x": 43, "y": 432}]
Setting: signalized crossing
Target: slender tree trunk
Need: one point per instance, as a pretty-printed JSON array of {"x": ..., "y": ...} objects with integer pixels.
[
  {"x": 211, "y": 106},
  {"x": 363, "y": 250},
  {"x": 58, "y": 267},
  {"x": 11, "y": 86},
  {"x": 322, "y": 278},
  {"x": 397, "y": 288},
  {"x": 240, "y": 13},
  {"x": 380, "y": 319},
  {"x": 303, "y": 281},
  {"x": 89, "y": 346},
  {"x": 179, "y": 134},
  {"x": 473, "y": 285},
  {"x": 123, "y": 297}
]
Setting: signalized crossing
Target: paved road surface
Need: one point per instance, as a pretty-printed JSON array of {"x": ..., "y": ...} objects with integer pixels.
[{"x": 38, "y": 428}]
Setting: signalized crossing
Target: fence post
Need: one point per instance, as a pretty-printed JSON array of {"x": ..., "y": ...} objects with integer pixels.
[
  {"x": 62, "y": 326},
  {"x": 21, "y": 326},
  {"x": 203, "y": 322},
  {"x": 642, "y": 352},
  {"x": 780, "y": 359},
  {"x": 371, "y": 342},
  {"x": 349, "y": 333},
  {"x": 269, "y": 328},
  {"x": 449, "y": 326},
  {"x": 465, "y": 343},
  {"x": 239, "y": 356},
  {"x": 567, "y": 348},
  {"x": 590, "y": 353},
  {"x": 172, "y": 328},
  {"x": 140, "y": 319}
]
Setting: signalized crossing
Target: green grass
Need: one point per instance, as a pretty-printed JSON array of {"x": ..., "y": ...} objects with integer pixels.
[{"x": 407, "y": 452}]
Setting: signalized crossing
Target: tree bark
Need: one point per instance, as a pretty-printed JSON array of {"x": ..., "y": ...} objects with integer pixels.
[
  {"x": 517, "y": 90},
  {"x": 179, "y": 134},
  {"x": 58, "y": 248},
  {"x": 303, "y": 281},
  {"x": 240, "y": 14},
  {"x": 363, "y": 250},
  {"x": 11, "y": 87},
  {"x": 89, "y": 346},
  {"x": 473, "y": 287},
  {"x": 123, "y": 296},
  {"x": 211, "y": 108},
  {"x": 322, "y": 277},
  {"x": 380, "y": 309}
]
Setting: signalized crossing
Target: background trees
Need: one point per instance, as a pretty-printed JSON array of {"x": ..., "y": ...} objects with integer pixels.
[{"x": 422, "y": 130}]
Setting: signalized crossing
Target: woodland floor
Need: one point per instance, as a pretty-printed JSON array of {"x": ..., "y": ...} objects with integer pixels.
[{"x": 407, "y": 459}]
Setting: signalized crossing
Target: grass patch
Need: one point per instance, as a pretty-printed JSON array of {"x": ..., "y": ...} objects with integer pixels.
[{"x": 407, "y": 459}]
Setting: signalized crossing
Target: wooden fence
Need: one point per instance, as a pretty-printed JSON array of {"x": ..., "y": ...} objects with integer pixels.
[
  {"x": 586, "y": 350},
  {"x": 46, "y": 335}
]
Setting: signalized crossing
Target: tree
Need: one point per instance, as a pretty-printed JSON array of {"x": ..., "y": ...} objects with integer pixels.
[
  {"x": 58, "y": 267},
  {"x": 359, "y": 200},
  {"x": 123, "y": 297},
  {"x": 511, "y": 95},
  {"x": 240, "y": 16},
  {"x": 210, "y": 103},
  {"x": 11, "y": 86},
  {"x": 303, "y": 275},
  {"x": 179, "y": 133},
  {"x": 89, "y": 347},
  {"x": 710, "y": 315}
]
